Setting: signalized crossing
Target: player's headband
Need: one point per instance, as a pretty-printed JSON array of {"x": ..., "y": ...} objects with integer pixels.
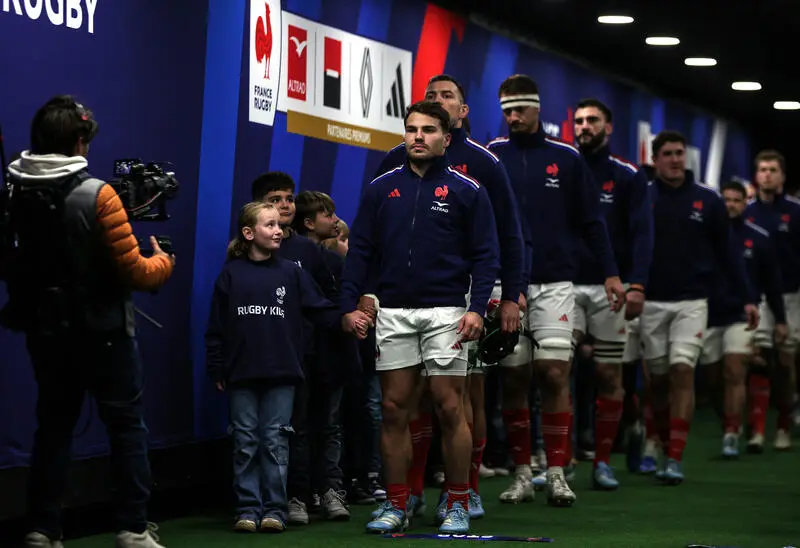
[{"x": 517, "y": 101}]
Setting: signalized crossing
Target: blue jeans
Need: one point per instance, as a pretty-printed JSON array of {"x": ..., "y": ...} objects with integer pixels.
[
  {"x": 261, "y": 415},
  {"x": 362, "y": 412},
  {"x": 109, "y": 368}
]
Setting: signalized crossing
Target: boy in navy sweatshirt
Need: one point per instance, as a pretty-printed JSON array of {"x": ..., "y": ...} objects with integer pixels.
[
  {"x": 559, "y": 205},
  {"x": 429, "y": 231},
  {"x": 727, "y": 345},
  {"x": 277, "y": 188},
  {"x": 473, "y": 159},
  {"x": 254, "y": 352},
  {"x": 779, "y": 214},
  {"x": 626, "y": 206},
  {"x": 335, "y": 363},
  {"x": 692, "y": 244}
]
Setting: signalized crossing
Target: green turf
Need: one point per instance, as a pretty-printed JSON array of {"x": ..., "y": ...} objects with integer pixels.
[{"x": 750, "y": 503}]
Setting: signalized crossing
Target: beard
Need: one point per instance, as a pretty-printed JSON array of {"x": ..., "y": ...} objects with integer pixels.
[{"x": 592, "y": 144}]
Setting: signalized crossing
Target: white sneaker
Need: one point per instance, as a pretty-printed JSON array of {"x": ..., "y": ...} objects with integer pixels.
[
  {"x": 756, "y": 443},
  {"x": 148, "y": 539},
  {"x": 521, "y": 489},
  {"x": 298, "y": 514},
  {"x": 38, "y": 540},
  {"x": 558, "y": 491},
  {"x": 485, "y": 472},
  {"x": 782, "y": 440}
]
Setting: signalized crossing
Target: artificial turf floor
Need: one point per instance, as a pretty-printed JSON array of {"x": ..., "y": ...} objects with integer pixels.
[{"x": 753, "y": 502}]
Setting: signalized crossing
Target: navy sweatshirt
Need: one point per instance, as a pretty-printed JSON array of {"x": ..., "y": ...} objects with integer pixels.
[
  {"x": 755, "y": 246},
  {"x": 781, "y": 219},
  {"x": 308, "y": 255},
  {"x": 628, "y": 212},
  {"x": 559, "y": 206},
  {"x": 471, "y": 158},
  {"x": 255, "y": 328},
  {"x": 338, "y": 357},
  {"x": 692, "y": 240},
  {"x": 427, "y": 237}
]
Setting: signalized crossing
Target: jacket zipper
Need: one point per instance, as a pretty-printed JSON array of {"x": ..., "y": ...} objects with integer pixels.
[{"x": 413, "y": 222}]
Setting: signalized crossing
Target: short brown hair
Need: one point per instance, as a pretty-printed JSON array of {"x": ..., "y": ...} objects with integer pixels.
[
  {"x": 771, "y": 156},
  {"x": 667, "y": 136},
  {"x": 434, "y": 110},
  {"x": 308, "y": 203}
]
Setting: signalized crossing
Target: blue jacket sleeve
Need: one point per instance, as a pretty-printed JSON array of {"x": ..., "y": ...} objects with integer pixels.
[
  {"x": 590, "y": 218},
  {"x": 509, "y": 233},
  {"x": 316, "y": 307},
  {"x": 358, "y": 266},
  {"x": 484, "y": 246},
  {"x": 217, "y": 329},
  {"x": 729, "y": 258},
  {"x": 770, "y": 280},
  {"x": 640, "y": 211}
]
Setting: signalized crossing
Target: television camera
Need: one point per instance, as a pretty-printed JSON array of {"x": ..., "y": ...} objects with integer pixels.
[{"x": 144, "y": 189}]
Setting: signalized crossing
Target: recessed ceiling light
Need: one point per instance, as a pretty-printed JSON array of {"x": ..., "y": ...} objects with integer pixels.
[
  {"x": 786, "y": 105},
  {"x": 746, "y": 86},
  {"x": 615, "y": 19},
  {"x": 661, "y": 41},
  {"x": 700, "y": 61}
]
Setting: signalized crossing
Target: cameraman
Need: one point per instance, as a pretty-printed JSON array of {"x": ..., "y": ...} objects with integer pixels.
[{"x": 79, "y": 328}]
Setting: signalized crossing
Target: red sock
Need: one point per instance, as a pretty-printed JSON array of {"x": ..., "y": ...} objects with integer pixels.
[
  {"x": 555, "y": 431},
  {"x": 759, "y": 403},
  {"x": 518, "y": 431},
  {"x": 785, "y": 416},
  {"x": 397, "y": 494},
  {"x": 678, "y": 431},
  {"x": 606, "y": 424},
  {"x": 458, "y": 492},
  {"x": 732, "y": 423},
  {"x": 570, "y": 430},
  {"x": 421, "y": 434},
  {"x": 477, "y": 458}
]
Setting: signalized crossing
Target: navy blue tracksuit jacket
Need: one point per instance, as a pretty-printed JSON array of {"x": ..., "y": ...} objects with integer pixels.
[
  {"x": 628, "y": 212},
  {"x": 473, "y": 159},
  {"x": 781, "y": 218},
  {"x": 559, "y": 206}
]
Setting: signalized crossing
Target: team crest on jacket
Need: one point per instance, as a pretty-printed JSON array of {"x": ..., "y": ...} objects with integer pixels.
[
  {"x": 440, "y": 201},
  {"x": 280, "y": 293},
  {"x": 552, "y": 179},
  {"x": 748, "y": 249},
  {"x": 697, "y": 211},
  {"x": 607, "y": 196}
]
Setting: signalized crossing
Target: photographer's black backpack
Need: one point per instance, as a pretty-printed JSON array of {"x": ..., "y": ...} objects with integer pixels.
[{"x": 37, "y": 255}]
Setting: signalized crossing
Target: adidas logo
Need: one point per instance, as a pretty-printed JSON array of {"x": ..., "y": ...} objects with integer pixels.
[
  {"x": 394, "y": 194},
  {"x": 564, "y": 318},
  {"x": 396, "y": 105},
  {"x": 457, "y": 346}
]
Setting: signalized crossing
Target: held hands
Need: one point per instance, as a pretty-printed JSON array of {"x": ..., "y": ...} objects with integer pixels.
[
  {"x": 366, "y": 304},
  {"x": 615, "y": 293},
  {"x": 470, "y": 326},
  {"x": 751, "y": 311},
  {"x": 357, "y": 323}
]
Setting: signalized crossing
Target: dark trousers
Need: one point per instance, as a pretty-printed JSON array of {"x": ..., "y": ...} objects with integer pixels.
[
  {"x": 361, "y": 416},
  {"x": 315, "y": 449},
  {"x": 109, "y": 368}
]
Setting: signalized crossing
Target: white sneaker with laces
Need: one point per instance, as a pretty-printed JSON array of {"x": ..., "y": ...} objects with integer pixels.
[
  {"x": 521, "y": 489},
  {"x": 148, "y": 539},
  {"x": 558, "y": 491},
  {"x": 783, "y": 440}
]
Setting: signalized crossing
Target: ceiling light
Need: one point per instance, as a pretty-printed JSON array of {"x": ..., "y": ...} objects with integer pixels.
[
  {"x": 700, "y": 61},
  {"x": 786, "y": 105},
  {"x": 615, "y": 19},
  {"x": 746, "y": 86},
  {"x": 661, "y": 41}
]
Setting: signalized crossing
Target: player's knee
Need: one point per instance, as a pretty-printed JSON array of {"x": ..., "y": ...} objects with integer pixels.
[
  {"x": 449, "y": 409},
  {"x": 393, "y": 413},
  {"x": 609, "y": 352},
  {"x": 554, "y": 348},
  {"x": 684, "y": 353},
  {"x": 658, "y": 366}
]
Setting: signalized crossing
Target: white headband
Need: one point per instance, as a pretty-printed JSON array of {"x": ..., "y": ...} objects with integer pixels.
[{"x": 514, "y": 101}]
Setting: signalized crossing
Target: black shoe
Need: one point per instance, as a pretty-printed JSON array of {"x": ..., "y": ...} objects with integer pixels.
[
  {"x": 358, "y": 495},
  {"x": 378, "y": 491}
]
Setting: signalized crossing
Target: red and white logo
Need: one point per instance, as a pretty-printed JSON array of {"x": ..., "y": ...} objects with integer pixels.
[
  {"x": 298, "y": 63},
  {"x": 332, "y": 79},
  {"x": 264, "y": 40}
]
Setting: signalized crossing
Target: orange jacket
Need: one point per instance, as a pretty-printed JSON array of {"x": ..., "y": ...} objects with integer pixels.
[{"x": 139, "y": 273}]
